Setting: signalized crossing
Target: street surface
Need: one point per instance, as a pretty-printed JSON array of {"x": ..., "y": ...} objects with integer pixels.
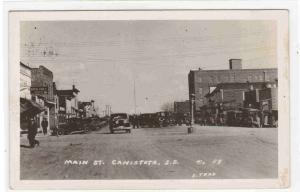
[{"x": 154, "y": 153}]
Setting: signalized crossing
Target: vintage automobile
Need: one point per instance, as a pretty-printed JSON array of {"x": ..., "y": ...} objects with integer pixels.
[
  {"x": 119, "y": 122},
  {"x": 148, "y": 120},
  {"x": 234, "y": 118},
  {"x": 73, "y": 125},
  {"x": 163, "y": 119},
  {"x": 182, "y": 118}
]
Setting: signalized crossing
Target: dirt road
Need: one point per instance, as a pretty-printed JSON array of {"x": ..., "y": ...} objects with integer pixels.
[{"x": 155, "y": 153}]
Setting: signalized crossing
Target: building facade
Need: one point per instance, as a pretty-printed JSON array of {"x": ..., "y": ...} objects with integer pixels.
[
  {"x": 234, "y": 95},
  {"x": 68, "y": 104},
  {"x": 202, "y": 82},
  {"x": 42, "y": 92},
  {"x": 87, "y": 109},
  {"x": 182, "y": 106},
  {"x": 25, "y": 81}
]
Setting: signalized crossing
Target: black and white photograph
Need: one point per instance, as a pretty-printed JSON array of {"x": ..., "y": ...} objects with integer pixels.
[{"x": 151, "y": 99}]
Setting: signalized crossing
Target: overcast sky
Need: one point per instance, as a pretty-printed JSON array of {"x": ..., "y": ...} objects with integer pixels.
[{"x": 104, "y": 58}]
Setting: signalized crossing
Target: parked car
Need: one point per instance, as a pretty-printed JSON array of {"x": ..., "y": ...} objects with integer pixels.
[
  {"x": 163, "y": 119},
  {"x": 149, "y": 120},
  {"x": 182, "y": 118},
  {"x": 119, "y": 122},
  {"x": 72, "y": 125}
]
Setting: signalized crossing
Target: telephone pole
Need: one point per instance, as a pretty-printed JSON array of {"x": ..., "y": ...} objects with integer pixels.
[{"x": 134, "y": 96}]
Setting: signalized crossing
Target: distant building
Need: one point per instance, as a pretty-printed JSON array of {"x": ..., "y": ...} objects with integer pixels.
[
  {"x": 202, "y": 82},
  {"x": 182, "y": 106},
  {"x": 87, "y": 109},
  {"x": 68, "y": 103}
]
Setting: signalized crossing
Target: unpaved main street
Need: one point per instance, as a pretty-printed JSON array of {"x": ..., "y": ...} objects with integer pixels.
[{"x": 155, "y": 153}]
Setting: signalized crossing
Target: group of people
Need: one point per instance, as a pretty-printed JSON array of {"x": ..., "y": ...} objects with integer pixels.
[
  {"x": 135, "y": 121},
  {"x": 33, "y": 129}
]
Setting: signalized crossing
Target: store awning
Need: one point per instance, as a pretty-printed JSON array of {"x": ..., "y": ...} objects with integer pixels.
[
  {"x": 49, "y": 103},
  {"x": 28, "y": 107}
]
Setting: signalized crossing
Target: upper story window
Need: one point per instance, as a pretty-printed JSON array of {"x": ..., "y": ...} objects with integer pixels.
[
  {"x": 200, "y": 91},
  {"x": 250, "y": 78},
  {"x": 200, "y": 79},
  {"x": 232, "y": 78}
]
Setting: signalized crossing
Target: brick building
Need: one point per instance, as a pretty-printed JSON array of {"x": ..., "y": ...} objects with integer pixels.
[
  {"x": 264, "y": 99},
  {"x": 42, "y": 92},
  {"x": 182, "y": 106},
  {"x": 202, "y": 82},
  {"x": 233, "y": 94}
]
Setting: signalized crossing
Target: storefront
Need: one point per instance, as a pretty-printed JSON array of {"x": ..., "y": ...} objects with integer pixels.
[{"x": 28, "y": 110}]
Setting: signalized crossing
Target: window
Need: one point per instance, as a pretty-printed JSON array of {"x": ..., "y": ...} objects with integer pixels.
[
  {"x": 224, "y": 78},
  {"x": 231, "y": 78},
  {"x": 199, "y": 79},
  {"x": 249, "y": 78},
  {"x": 200, "y": 91},
  {"x": 267, "y": 77}
]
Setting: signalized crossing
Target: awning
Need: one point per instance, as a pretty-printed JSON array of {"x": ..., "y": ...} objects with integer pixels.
[
  {"x": 250, "y": 109},
  {"x": 49, "y": 103},
  {"x": 28, "y": 107}
]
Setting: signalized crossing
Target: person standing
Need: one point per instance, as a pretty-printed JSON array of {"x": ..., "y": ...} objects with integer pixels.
[
  {"x": 138, "y": 121},
  {"x": 32, "y": 131},
  {"x": 134, "y": 121},
  {"x": 44, "y": 126}
]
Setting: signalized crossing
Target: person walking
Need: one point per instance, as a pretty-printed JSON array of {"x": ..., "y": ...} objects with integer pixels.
[
  {"x": 134, "y": 120},
  {"x": 32, "y": 131},
  {"x": 44, "y": 125}
]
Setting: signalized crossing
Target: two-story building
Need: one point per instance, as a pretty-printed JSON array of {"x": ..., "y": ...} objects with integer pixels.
[
  {"x": 68, "y": 103},
  {"x": 202, "y": 82},
  {"x": 42, "y": 92}
]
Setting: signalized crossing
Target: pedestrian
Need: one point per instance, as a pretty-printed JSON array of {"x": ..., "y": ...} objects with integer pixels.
[
  {"x": 44, "y": 125},
  {"x": 135, "y": 122},
  {"x": 258, "y": 121},
  {"x": 32, "y": 131},
  {"x": 138, "y": 121}
]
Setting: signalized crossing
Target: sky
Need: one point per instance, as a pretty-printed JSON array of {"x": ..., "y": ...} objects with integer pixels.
[{"x": 105, "y": 59}]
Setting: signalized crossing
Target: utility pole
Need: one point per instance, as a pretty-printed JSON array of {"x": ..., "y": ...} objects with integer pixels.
[
  {"x": 192, "y": 97},
  {"x": 134, "y": 96}
]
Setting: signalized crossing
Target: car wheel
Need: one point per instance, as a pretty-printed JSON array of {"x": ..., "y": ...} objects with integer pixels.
[{"x": 60, "y": 132}]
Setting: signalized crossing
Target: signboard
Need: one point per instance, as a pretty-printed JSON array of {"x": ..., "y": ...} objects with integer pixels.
[{"x": 39, "y": 90}]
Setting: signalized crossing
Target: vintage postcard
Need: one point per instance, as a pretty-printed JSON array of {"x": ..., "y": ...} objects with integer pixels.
[{"x": 157, "y": 99}]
